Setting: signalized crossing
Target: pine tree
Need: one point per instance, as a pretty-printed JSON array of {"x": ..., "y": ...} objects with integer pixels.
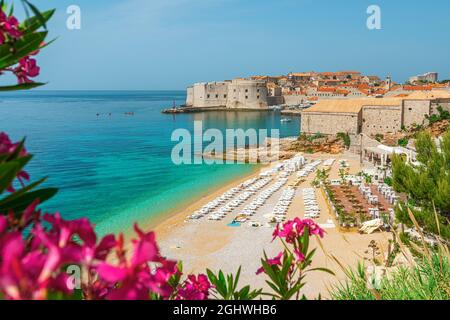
[{"x": 427, "y": 185}]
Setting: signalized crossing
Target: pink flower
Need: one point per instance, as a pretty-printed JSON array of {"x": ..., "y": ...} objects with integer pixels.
[
  {"x": 9, "y": 148},
  {"x": 27, "y": 274},
  {"x": 29, "y": 215},
  {"x": 9, "y": 27},
  {"x": 134, "y": 278},
  {"x": 314, "y": 228},
  {"x": 299, "y": 255},
  {"x": 290, "y": 230},
  {"x": 26, "y": 69},
  {"x": 3, "y": 225},
  {"x": 195, "y": 288},
  {"x": 272, "y": 262},
  {"x": 293, "y": 229}
]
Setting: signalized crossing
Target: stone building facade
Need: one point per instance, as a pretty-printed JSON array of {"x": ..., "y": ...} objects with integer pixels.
[
  {"x": 372, "y": 116},
  {"x": 211, "y": 94},
  {"x": 429, "y": 77},
  {"x": 380, "y": 119},
  {"x": 330, "y": 123},
  {"x": 234, "y": 94}
]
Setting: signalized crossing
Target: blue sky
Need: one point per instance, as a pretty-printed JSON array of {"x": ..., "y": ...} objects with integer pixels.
[{"x": 169, "y": 44}]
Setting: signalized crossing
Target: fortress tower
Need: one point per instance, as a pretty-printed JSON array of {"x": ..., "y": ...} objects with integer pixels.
[{"x": 235, "y": 94}]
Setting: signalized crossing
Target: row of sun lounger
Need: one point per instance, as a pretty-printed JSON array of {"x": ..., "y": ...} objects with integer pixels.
[
  {"x": 285, "y": 201},
  {"x": 309, "y": 168},
  {"x": 242, "y": 197},
  {"x": 230, "y": 194},
  {"x": 261, "y": 199},
  {"x": 312, "y": 209}
]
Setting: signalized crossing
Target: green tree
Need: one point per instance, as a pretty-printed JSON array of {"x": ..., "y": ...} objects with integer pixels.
[{"x": 426, "y": 185}]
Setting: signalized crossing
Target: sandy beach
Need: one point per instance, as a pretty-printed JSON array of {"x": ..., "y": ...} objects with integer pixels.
[{"x": 209, "y": 244}]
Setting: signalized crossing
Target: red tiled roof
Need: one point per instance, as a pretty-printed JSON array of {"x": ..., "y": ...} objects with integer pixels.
[{"x": 418, "y": 88}]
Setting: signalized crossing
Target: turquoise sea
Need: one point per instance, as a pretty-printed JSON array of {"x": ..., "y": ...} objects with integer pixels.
[{"x": 116, "y": 168}]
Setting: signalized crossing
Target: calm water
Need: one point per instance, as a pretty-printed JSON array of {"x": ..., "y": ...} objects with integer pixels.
[{"x": 114, "y": 168}]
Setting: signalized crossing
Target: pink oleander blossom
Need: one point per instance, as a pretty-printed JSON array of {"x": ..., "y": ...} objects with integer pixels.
[
  {"x": 299, "y": 255},
  {"x": 291, "y": 230},
  {"x": 135, "y": 279},
  {"x": 26, "y": 69},
  {"x": 9, "y": 148},
  {"x": 272, "y": 262},
  {"x": 3, "y": 225},
  {"x": 314, "y": 228},
  {"x": 195, "y": 288},
  {"x": 27, "y": 274},
  {"x": 9, "y": 27},
  {"x": 31, "y": 268}
]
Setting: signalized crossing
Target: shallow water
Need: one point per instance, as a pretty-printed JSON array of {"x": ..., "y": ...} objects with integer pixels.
[{"x": 116, "y": 168}]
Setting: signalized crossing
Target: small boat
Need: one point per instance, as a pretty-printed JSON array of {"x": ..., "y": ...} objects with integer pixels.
[{"x": 285, "y": 120}]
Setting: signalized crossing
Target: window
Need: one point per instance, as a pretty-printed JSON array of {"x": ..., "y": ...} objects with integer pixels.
[
  {"x": 410, "y": 109},
  {"x": 246, "y": 97},
  {"x": 217, "y": 96},
  {"x": 257, "y": 90},
  {"x": 208, "y": 96},
  {"x": 225, "y": 96},
  {"x": 246, "y": 90},
  {"x": 257, "y": 97}
]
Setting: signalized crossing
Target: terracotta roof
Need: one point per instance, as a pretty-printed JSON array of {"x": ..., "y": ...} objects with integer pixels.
[
  {"x": 429, "y": 95},
  {"x": 363, "y": 86},
  {"x": 348, "y": 72},
  {"x": 326, "y": 89},
  {"x": 259, "y": 77},
  {"x": 417, "y": 88},
  {"x": 344, "y": 92},
  {"x": 327, "y": 73},
  {"x": 301, "y": 74},
  {"x": 351, "y": 105}
]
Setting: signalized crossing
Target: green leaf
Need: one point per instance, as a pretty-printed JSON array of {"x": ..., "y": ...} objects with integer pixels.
[
  {"x": 274, "y": 287},
  {"x": 34, "y": 23},
  {"x": 269, "y": 271},
  {"x": 37, "y": 13},
  {"x": 21, "y": 191},
  {"x": 212, "y": 277},
  {"x": 22, "y": 86},
  {"x": 10, "y": 55},
  {"x": 323, "y": 270},
  {"x": 294, "y": 290},
  {"x": 17, "y": 151},
  {"x": 244, "y": 292},
  {"x": 287, "y": 263},
  {"x": 236, "y": 280},
  {"x": 305, "y": 240},
  {"x": 11, "y": 10},
  {"x": 10, "y": 169},
  {"x": 23, "y": 201},
  {"x": 310, "y": 255},
  {"x": 8, "y": 172}
]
